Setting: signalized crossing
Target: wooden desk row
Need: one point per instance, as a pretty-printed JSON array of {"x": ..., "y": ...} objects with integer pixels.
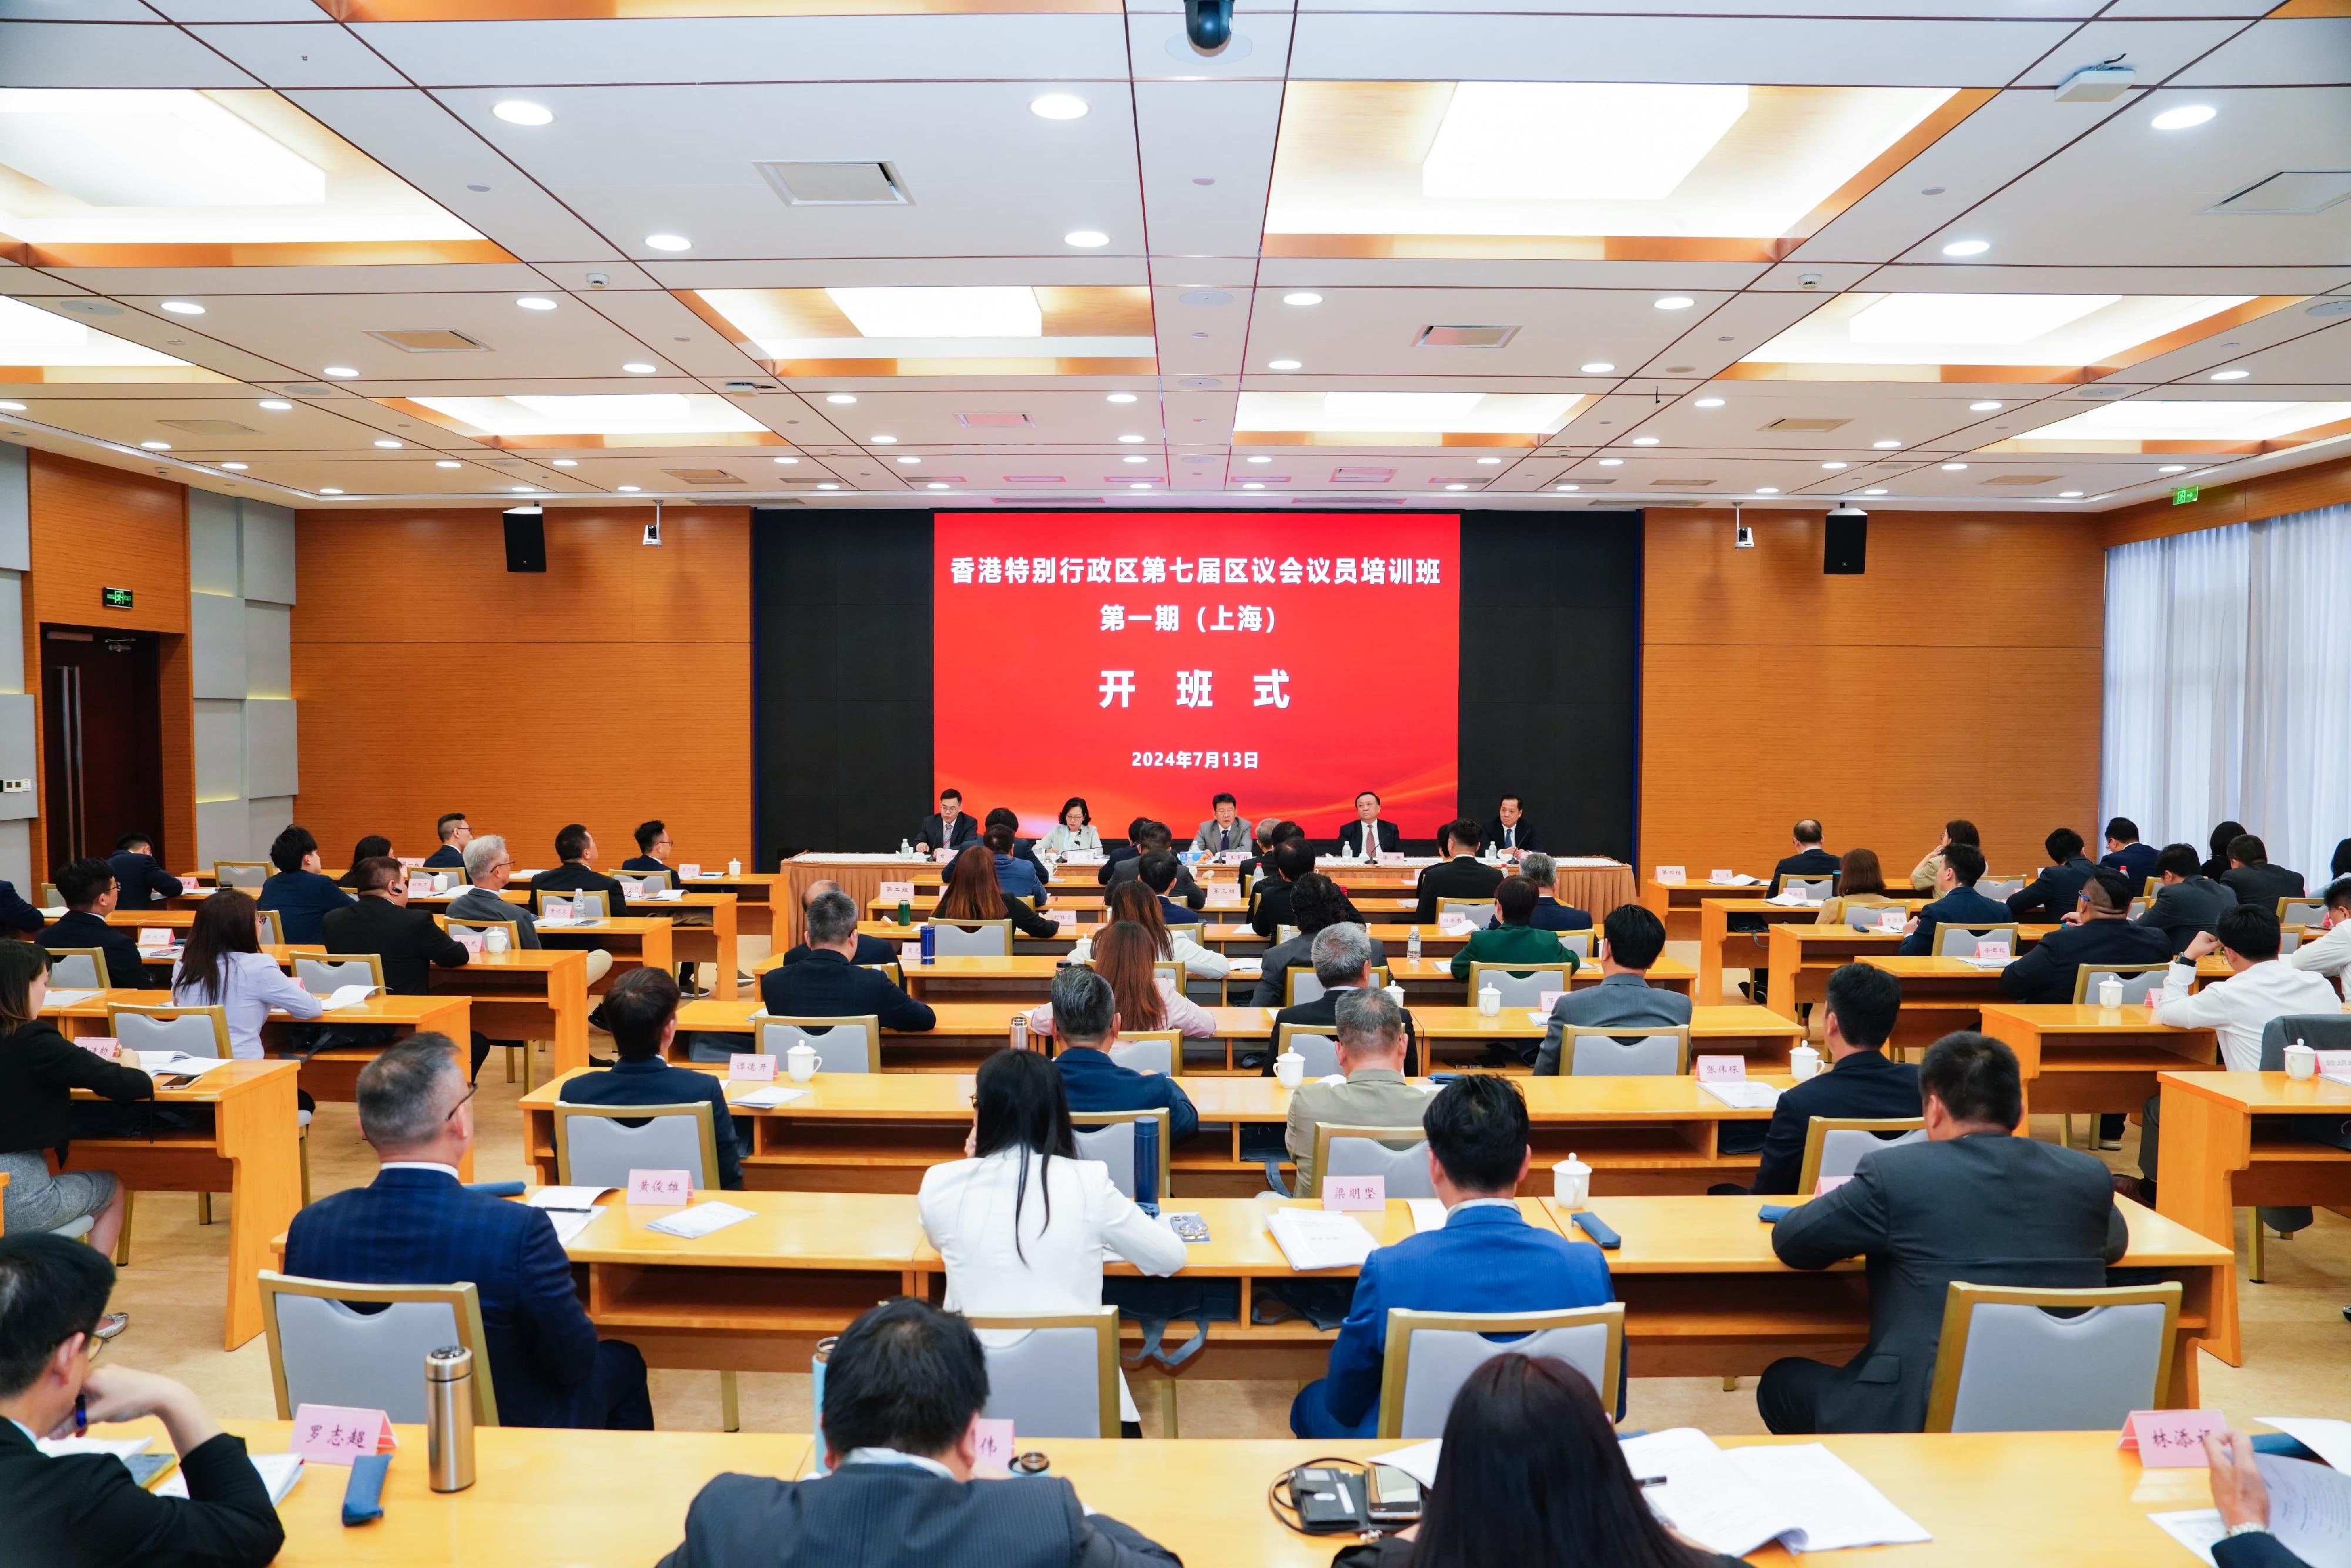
[{"x": 751, "y": 892}]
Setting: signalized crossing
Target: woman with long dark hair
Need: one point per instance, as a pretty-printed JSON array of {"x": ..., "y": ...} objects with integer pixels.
[
  {"x": 367, "y": 849},
  {"x": 1021, "y": 1224},
  {"x": 1532, "y": 1476},
  {"x": 39, "y": 1071},
  {"x": 1131, "y": 899},
  {"x": 972, "y": 893},
  {"x": 1125, "y": 955},
  {"x": 2218, "y": 866},
  {"x": 224, "y": 966}
]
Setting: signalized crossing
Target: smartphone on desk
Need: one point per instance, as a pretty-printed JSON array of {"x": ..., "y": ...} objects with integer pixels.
[{"x": 1395, "y": 1496}]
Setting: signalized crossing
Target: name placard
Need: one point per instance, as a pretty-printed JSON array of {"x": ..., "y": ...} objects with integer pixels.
[
  {"x": 1356, "y": 1192},
  {"x": 1722, "y": 1069},
  {"x": 744, "y": 1065},
  {"x": 662, "y": 1187}
]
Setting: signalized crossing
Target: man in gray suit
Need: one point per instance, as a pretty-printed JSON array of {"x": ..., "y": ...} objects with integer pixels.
[
  {"x": 1228, "y": 830},
  {"x": 1975, "y": 1203},
  {"x": 2189, "y": 902},
  {"x": 1624, "y": 998},
  {"x": 903, "y": 1392}
]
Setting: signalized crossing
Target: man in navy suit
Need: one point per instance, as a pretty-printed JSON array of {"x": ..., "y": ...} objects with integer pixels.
[
  {"x": 2054, "y": 894},
  {"x": 2126, "y": 854},
  {"x": 456, "y": 835},
  {"x": 1085, "y": 1023},
  {"x": 870, "y": 949},
  {"x": 1550, "y": 914},
  {"x": 1861, "y": 1084},
  {"x": 417, "y": 1225},
  {"x": 949, "y": 828},
  {"x": 140, "y": 882},
  {"x": 828, "y": 983},
  {"x": 1958, "y": 902},
  {"x": 299, "y": 892},
  {"x": 1487, "y": 1258},
  {"x": 641, "y": 1011},
  {"x": 1386, "y": 838},
  {"x": 2100, "y": 932},
  {"x": 1810, "y": 862}
]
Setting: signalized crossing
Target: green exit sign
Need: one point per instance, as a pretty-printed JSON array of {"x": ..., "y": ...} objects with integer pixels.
[
  {"x": 114, "y": 598},
  {"x": 2185, "y": 493}
]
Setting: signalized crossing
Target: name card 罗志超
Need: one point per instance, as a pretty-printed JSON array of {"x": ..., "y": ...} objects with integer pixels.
[
  {"x": 661, "y": 1186},
  {"x": 339, "y": 1434},
  {"x": 750, "y": 1066},
  {"x": 1724, "y": 1069},
  {"x": 1356, "y": 1192},
  {"x": 2170, "y": 1439}
]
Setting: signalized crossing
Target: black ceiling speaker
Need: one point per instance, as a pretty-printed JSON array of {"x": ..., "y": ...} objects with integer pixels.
[
  {"x": 526, "y": 538},
  {"x": 1845, "y": 550}
]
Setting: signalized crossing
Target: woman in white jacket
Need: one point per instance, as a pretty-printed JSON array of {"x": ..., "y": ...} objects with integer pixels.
[
  {"x": 1022, "y": 1224},
  {"x": 1130, "y": 900},
  {"x": 1075, "y": 833}
]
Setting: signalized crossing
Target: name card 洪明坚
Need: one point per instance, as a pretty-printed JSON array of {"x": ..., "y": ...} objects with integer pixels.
[
  {"x": 661, "y": 1186},
  {"x": 1722, "y": 1069},
  {"x": 1356, "y": 1192},
  {"x": 757, "y": 1068},
  {"x": 339, "y": 1434}
]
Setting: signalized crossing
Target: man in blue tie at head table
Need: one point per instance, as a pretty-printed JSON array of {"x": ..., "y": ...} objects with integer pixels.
[{"x": 1226, "y": 831}]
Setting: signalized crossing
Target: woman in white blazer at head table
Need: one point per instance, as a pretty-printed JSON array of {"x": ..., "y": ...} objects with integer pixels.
[
  {"x": 1022, "y": 1224},
  {"x": 224, "y": 966},
  {"x": 1130, "y": 900},
  {"x": 1075, "y": 833}
]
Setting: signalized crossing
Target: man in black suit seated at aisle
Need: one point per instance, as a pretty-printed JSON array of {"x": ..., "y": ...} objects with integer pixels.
[
  {"x": 2053, "y": 894},
  {"x": 870, "y": 949},
  {"x": 456, "y": 835},
  {"x": 1269, "y": 896},
  {"x": 576, "y": 848},
  {"x": 2254, "y": 880},
  {"x": 1343, "y": 956},
  {"x": 2187, "y": 902},
  {"x": 1973, "y": 1202},
  {"x": 1810, "y": 862},
  {"x": 140, "y": 882},
  {"x": 903, "y": 1389},
  {"x": 828, "y": 983},
  {"x": 88, "y": 887},
  {"x": 1509, "y": 834},
  {"x": 408, "y": 940},
  {"x": 949, "y": 828},
  {"x": 1462, "y": 875},
  {"x": 2126, "y": 854},
  {"x": 1860, "y": 1083},
  {"x": 1156, "y": 839}
]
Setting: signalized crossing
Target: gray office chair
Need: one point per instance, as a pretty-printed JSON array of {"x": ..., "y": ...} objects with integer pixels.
[
  {"x": 1300, "y": 986},
  {"x": 972, "y": 939},
  {"x": 653, "y": 881},
  {"x": 1999, "y": 887},
  {"x": 841, "y": 1045},
  {"x": 1111, "y": 1137},
  {"x": 1627, "y": 1053},
  {"x": 2006, "y": 1365},
  {"x": 77, "y": 969},
  {"x": 1580, "y": 943},
  {"x": 1431, "y": 1354},
  {"x": 322, "y": 1351},
  {"x": 1817, "y": 889},
  {"x": 1398, "y": 1154},
  {"x": 1059, "y": 1378},
  {"x": 2301, "y": 911},
  {"x": 2138, "y": 979},
  {"x": 1834, "y": 1146},
  {"x": 596, "y": 1146},
  {"x": 1317, "y": 1043},
  {"x": 1160, "y": 1050},
  {"x": 1518, "y": 985},
  {"x": 587, "y": 904},
  {"x": 1477, "y": 912},
  {"x": 321, "y": 976},
  {"x": 1959, "y": 941},
  {"x": 246, "y": 876},
  {"x": 191, "y": 1031}
]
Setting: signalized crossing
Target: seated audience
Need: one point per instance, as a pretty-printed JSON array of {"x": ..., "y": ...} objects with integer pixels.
[
  {"x": 1957, "y": 902},
  {"x": 489, "y": 869},
  {"x": 1019, "y": 1232},
  {"x": 1315, "y": 902},
  {"x": 1957, "y": 830},
  {"x": 1509, "y": 834},
  {"x": 970, "y": 891},
  {"x": 903, "y": 1390},
  {"x": 640, "y": 1011},
  {"x": 140, "y": 882},
  {"x": 2254, "y": 879},
  {"x": 1022, "y": 849},
  {"x": 870, "y": 949},
  {"x": 456, "y": 833},
  {"x": 1343, "y": 956},
  {"x": 2126, "y": 854},
  {"x": 2242, "y": 1497},
  {"x": 2222, "y": 836},
  {"x": 1270, "y": 893},
  {"x": 1160, "y": 871},
  {"x": 1133, "y": 901},
  {"x": 1532, "y": 1474},
  {"x": 949, "y": 828},
  {"x": 1515, "y": 939},
  {"x": 1975, "y": 1203},
  {"x": 2187, "y": 902},
  {"x": 1485, "y": 1259},
  {"x": 1226, "y": 831},
  {"x": 1860, "y": 1083},
  {"x": 653, "y": 850},
  {"x": 367, "y": 849},
  {"x": 15, "y": 914},
  {"x": 1153, "y": 838},
  {"x": 301, "y": 894},
  {"x": 1130, "y": 848},
  {"x": 1462, "y": 875},
  {"x": 84, "y": 1509},
  {"x": 1376, "y": 1093},
  {"x": 1125, "y": 955},
  {"x": 1550, "y": 914},
  {"x": 829, "y": 983},
  {"x": 1075, "y": 833},
  {"x": 1810, "y": 862},
  {"x": 416, "y": 1224},
  {"x": 39, "y": 1071},
  {"x": 223, "y": 966},
  {"x": 1271, "y": 834},
  {"x": 1087, "y": 1015},
  {"x": 2329, "y": 953},
  {"x": 88, "y": 887},
  {"x": 409, "y": 941},
  {"x": 1385, "y": 837},
  {"x": 1016, "y": 876},
  {"x": 2100, "y": 932},
  {"x": 1861, "y": 885},
  {"x": 1634, "y": 938},
  {"x": 575, "y": 847}
]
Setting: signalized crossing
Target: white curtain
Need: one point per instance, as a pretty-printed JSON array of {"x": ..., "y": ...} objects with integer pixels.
[{"x": 2227, "y": 686}]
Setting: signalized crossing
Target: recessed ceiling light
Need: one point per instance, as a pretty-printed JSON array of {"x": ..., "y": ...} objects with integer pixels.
[
  {"x": 937, "y": 484},
  {"x": 908, "y": 462},
  {"x": 839, "y": 398},
  {"x": 2231, "y": 375},
  {"x": 1457, "y": 487},
  {"x": 827, "y": 486},
  {"x": 1058, "y": 106},
  {"x": 1253, "y": 484},
  {"x": 447, "y": 463},
  {"x": 12, "y": 406},
  {"x": 638, "y": 368},
  {"x": 1885, "y": 446},
  {"x": 1954, "y": 467},
  {"x": 1873, "y": 492},
  {"x": 668, "y": 242},
  {"x": 328, "y": 490},
  {"x": 1138, "y": 487},
  {"x": 1637, "y": 141},
  {"x": 1598, "y": 368},
  {"x": 1673, "y": 303},
  {"x": 1303, "y": 297},
  {"x": 183, "y": 307},
  {"x": 389, "y": 444},
  {"x": 1832, "y": 466},
  {"x": 524, "y": 489},
  {"x": 1567, "y": 487},
  {"x": 2173, "y": 468},
  {"x": 2067, "y": 495},
  {"x": 1120, "y": 397},
  {"x": 885, "y": 441},
  {"x": 786, "y": 461},
  {"x": 627, "y": 489},
  {"x": 1260, "y": 459},
  {"x": 1710, "y": 402},
  {"x": 2185, "y": 116},
  {"x": 1767, "y": 489},
  {"x": 1134, "y": 460},
  {"x": 1086, "y": 239},
  {"x": 239, "y": 467},
  {"x": 342, "y": 372},
  {"x": 1611, "y": 463},
  {"x": 1645, "y": 440},
  {"x": 1129, "y": 440},
  {"x": 276, "y": 405},
  {"x": 1488, "y": 462},
  {"x": 522, "y": 111},
  {"x": 567, "y": 463},
  {"x": 1987, "y": 407},
  {"x": 535, "y": 302},
  {"x": 156, "y": 446},
  {"x": 1284, "y": 365},
  {"x": 1967, "y": 247}
]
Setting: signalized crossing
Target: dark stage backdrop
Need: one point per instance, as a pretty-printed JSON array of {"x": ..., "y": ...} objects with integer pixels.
[{"x": 842, "y": 622}]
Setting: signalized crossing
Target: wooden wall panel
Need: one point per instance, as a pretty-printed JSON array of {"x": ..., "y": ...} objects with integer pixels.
[
  {"x": 2267, "y": 496},
  {"x": 614, "y": 688},
  {"x": 1959, "y": 677}
]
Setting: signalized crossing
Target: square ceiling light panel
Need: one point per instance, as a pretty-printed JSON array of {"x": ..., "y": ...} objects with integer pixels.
[
  {"x": 594, "y": 420},
  {"x": 1402, "y": 419},
  {"x": 1620, "y": 169},
  {"x": 96, "y": 176},
  {"x": 2145, "y": 425},
  {"x": 937, "y": 331},
  {"x": 1993, "y": 337}
]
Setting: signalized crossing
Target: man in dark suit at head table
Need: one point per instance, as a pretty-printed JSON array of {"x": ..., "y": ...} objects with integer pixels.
[
  {"x": 949, "y": 828},
  {"x": 1509, "y": 834},
  {"x": 2254, "y": 879},
  {"x": 1973, "y": 1202},
  {"x": 1810, "y": 862},
  {"x": 2126, "y": 854}
]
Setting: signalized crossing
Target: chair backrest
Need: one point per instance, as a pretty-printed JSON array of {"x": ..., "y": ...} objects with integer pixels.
[
  {"x": 1870, "y": 917},
  {"x": 1627, "y": 1053},
  {"x": 1300, "y": 985},
  {"x": 50, "y": 897},
  {"x": 320, "y": 975},
  {"x": 2320, "y": 1031},
  {"x": 2140, "y": 906},
  {"x": 1518, "y": 985},
  {"x": 1431, "y": 1354},
  {"x": 512, "y": 928},
  {"x": 972, "y": 939},
  {"x": 1580, "y": 943},
  {"x": 273, "y": 926},
  {"x": 2301, "y": 911},
  {"x": 1477, "y": 912},
  {"x": 652, "y": 881},
  {"x": 2137, "y": 980},
  {"x": 2288, "y": 941},
  {"x": 841, "y": 1045},
  {"x": 1318, "y": 1043},
  {"x": 1955, "y": 941},
  {"x": 322, "y": 1351},
  {"x": 246, "y": 876},
  {"x": 1059, "y": 1378},
  {"x": 597, "y": 1146},
  {"x": 1817, "y": 889},
  {"x": 1138, "y": 1161},
  {"x": 1398, "y": 1154},
  {"x": 587, "y": 903},
  {"x": 1834, "y": 1146},
  {"x": 1999, "y": 886},
  {"x": 77, "y": 968},
  {"x": 191, "y": 1031},
  {"x": 2005, "y": 1364},
  {"x": 1159, "y": 1051}
]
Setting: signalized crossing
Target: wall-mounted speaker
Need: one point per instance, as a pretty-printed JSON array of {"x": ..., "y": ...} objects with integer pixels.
[
  {"x": 1844, "y": 548},
  {"x": 526, "y": 538}
]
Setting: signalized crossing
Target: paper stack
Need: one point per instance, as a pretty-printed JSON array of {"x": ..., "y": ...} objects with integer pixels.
[
  {"x": 1313, "y": 1239},
  {"x": 1744, "y": 1095},
  {"x": 768, "y": 1097},
  {"x": 700, "y": 1220},
  {"x": 2310, "y": 1512},
  {"x": 1733, "y": 1500},
  {"x": 348, "y": 996},
  {"x": 279, "y": 1473}
]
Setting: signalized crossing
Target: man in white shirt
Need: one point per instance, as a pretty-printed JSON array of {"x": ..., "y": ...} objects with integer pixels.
[{"x": 2329, "y": 954}]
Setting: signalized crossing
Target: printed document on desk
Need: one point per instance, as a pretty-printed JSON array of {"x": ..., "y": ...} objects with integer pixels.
[
  {"x": 2310, "y": 1514},
  {"x": 1311, "y": 1239},
  {"x": 1744, "y": 1096},
  {"x": 1733, "y": 1500}
]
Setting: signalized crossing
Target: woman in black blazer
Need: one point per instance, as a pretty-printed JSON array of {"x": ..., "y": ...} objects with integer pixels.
[
  {"x": 39, "y": 1069},
  {"x": 972, "y": 893}
]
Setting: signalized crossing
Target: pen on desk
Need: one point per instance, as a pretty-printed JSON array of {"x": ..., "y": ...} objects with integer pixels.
[{"x": 1649, "y": 1480}]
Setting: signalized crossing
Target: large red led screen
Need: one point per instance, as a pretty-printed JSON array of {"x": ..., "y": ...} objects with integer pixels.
[{"x": 1146, "y": 662}]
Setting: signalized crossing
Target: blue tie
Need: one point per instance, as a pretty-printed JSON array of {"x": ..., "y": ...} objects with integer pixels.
[{"x": 1223, "y": 839}]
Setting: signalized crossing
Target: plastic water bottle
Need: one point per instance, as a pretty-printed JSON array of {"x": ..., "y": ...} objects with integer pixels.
[
  {"x": 906, "y": 849},
  {"x": 1412, "y": 944}
]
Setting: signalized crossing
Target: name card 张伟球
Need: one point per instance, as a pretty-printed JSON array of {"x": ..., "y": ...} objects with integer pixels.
[
  {"x": 661, "y": 1186},
  {"x": 1724, "y": 1069},
  {"x": 1356, "y": 1192},
  {"x": 2170, "y": 1439},
  {"x": 339, "y": 1434},
  {"x": 747, "y": 1066}
]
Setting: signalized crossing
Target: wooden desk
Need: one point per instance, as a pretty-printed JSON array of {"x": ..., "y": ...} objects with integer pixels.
[
  {"x": 1720, "y": 948},
  {"x": 1939, "y": 994},
  {"x": 1677, "y": 902},
  {"x": 2086, "y": 1059},
  {"x": 326, "y": 1074},
  {"x": 632, "y": 939},
  {"x": 526, "y": 993},
  {"x": 1800, "y": 959},
  {"x": 253, "y": 1153},
  {"x": 2216, "y": 1159}
]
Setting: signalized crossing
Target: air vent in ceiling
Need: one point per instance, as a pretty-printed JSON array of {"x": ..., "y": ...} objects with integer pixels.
[
  {"x": 208, "y": 426},
  {"x": 744, "y": 388},
  {"x": 1807, "y": 426},
  {"x": 1032, "y": 479},
  {"x": 701, "y": 475},
  {"x": 1361, "y": 476},
  {"x": 308, "y": 389},
  {"x": 1679, "y": 484},
  {"x": 1307, "y": 502},
  {"x": 431, "y": 340},
  {"x": 2020, "y": 479},
  {"x": 1584, "y": 484},
  {"x": 994, "y": 421},
  {"x": 1464, "y": 336},
  {"x": 850, "y": 185},
  {"x": 2289, "y": 192}
]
